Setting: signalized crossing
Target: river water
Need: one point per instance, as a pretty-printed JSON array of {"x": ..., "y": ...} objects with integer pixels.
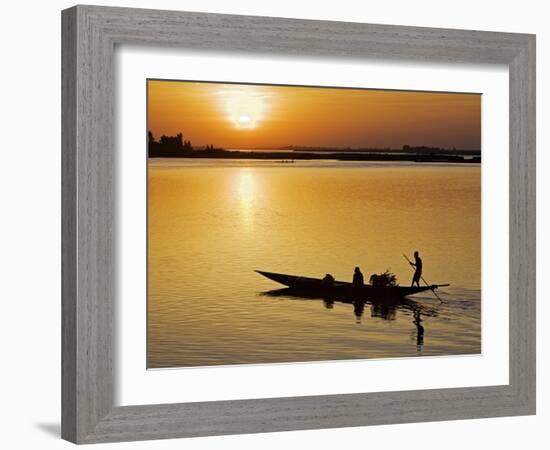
[{"x": 211, "y": 223}]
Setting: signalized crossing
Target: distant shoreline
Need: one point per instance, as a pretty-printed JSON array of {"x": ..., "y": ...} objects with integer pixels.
[{"x": 308, "y": 156}]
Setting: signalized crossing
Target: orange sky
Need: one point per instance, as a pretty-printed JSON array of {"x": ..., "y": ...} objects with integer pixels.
[{"x": 267, "y": 116}]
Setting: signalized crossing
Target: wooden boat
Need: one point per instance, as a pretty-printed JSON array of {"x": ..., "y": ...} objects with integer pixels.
[{"x": 321, "y": 288}]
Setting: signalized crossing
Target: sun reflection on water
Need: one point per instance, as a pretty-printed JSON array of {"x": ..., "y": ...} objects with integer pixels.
[{"x": 247, "y": 195}]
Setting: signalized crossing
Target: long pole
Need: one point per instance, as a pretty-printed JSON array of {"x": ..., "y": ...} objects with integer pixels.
[{"x": 422, "y": 278}]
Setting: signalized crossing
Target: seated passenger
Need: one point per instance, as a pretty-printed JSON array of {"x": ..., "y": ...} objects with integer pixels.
[
  {"x": 328, "y": 279},
  {"x": 358, "y": 280}
]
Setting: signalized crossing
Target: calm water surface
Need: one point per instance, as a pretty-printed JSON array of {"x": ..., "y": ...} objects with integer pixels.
[{"x": 212, "y": 222}]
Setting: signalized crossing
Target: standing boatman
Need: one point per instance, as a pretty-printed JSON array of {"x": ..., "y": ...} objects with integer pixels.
[{"x": 418, "y": 269}]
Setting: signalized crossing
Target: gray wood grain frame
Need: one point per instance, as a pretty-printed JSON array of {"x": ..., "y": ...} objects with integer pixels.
[{"x": 89, "y": 37}]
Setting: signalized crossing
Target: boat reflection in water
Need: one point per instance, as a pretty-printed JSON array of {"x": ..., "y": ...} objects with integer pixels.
[{"x": 385, "y": 309}]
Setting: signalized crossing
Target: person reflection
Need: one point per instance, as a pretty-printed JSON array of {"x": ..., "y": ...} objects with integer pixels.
[
  {"x": 329, "y": 303},
  {"x": 358, "y": 309},
  {"x": 419, "y": 330}
]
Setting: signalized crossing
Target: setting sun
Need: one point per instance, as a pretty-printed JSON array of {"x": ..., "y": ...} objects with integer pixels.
[{"x": 244, "y": 107}]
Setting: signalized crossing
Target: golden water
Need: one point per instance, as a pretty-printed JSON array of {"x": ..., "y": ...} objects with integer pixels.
[{"x": 212, "y": 222}]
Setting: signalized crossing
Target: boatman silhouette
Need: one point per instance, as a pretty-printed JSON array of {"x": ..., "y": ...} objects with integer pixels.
[{"x": 417, "y": 264}]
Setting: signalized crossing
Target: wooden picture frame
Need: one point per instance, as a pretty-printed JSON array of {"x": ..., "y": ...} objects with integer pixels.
[{"x": 90, "y": 34}]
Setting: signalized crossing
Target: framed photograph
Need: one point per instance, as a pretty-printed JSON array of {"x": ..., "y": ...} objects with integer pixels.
[{"x": 278, "y": 224}]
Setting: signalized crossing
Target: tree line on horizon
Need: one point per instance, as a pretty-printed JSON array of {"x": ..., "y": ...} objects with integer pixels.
[
  {"x": 168, "y": 146},
  {"x": 177, "y": 146}
]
